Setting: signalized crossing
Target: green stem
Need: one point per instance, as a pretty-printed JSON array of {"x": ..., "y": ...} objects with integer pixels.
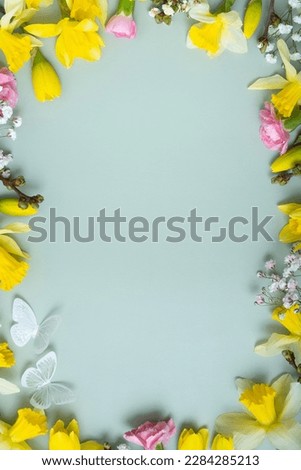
[
  {"x": 224, "y": 7},
  {"x": 126, "y": 7},
  {"x": 159, "y": 446},
  {"x": 65, "y": 10}
]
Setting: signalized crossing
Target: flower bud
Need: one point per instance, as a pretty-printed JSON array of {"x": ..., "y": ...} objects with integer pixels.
[
  {"x": 252, "y": 17},
  {"x": 45, "y": 81}
]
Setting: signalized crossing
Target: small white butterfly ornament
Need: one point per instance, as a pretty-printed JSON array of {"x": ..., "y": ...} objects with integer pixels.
[
  {"x": 27, "y": 327},
  {"x": 39, "y": 378}
]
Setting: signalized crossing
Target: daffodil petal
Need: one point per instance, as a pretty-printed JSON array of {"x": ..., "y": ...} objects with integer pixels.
[
  {"x": 243, "y": 384},
  {"x": 275, "y": 82},
  {"x": 286, "y": 436},
  {"x": 201, "y": 13},
  {"x": 282, "y": 387},
  {"x": 285, "y": 56},
  {"x": 17, "y": 227},
  {"x": 275, "y": 344},
  {"x": 234, "y": 40},
  {"x": 12, "y": 247},
  {"x": 292, "y": 404},
  {"x": 91, "y": 445},
  {"x": 287, "y": 235},
  {"x": 250, "y": 440},
  {"x": 44, "y": 30},
  {"x": 8, "y": 388},
  {"x": 289, "y": 208},
  {"x": 24, "y": 17}
]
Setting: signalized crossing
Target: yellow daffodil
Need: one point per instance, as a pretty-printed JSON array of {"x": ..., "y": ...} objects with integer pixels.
[
  {"x": 7, "y": 358},
  {"x": 67, "y": 438},
  {"x": 191, "y": 440},
  {"x": 291, "y": 232},
  {"x": 290, "y": 94},
  {"x": 12, "y": 269},
  {"x": 30, "y": 424},
  {"x": 16, "y": 47},
  {"x": 76, "y": 39},
  {"x": 45, "y": 81},
  {"x": 88, "y": 9},
  {"x": 291, "y": 319},
  {"x": 215, "y": 33},
  {"x": 271, "y": 412}
]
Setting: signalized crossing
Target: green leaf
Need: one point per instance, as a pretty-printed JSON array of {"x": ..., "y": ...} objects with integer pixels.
[
  {"x": 225, "y": 7},
  {"x": 293, "y": 121}
]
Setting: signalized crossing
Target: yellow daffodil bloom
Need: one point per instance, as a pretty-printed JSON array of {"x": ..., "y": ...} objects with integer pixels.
[
  {"x": 291, "y": 232},
  {"x": 191, "y": 440},
  {"x": 16, "y": 47},
  {"x": 37, "y": 4},
  {"x": 7, "y": 358},
  {"x": 271, "y": 412},
  {"x": 291, "y": 320},
  {"x": 45, "y": 81},
  {"x": 67, "y": 438},
  {"x": 76, "y": 39},
  {"x": 30, "y": 424},
  {"x": 12, "y": 269},
  {"x": 88, "y": 9},
  {"x": 290, "y": 94},
  {"x": 215, "y": 33}
]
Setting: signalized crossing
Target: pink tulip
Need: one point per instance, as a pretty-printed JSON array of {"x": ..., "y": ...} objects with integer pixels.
[
  {"x": 149, "y": 435},
  {"x": 8, "y": 88},
  {"x": 122, "y": 26},
  {"x": 272, "y": 132}
]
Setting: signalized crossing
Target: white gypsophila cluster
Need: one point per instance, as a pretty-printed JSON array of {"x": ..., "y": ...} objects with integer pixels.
[
  {"x": 271, "y": 58},
  {"x": 295, "y": 56},
  {"x": 285, "y": 28},
  {"x": 297, "y": 19},
  {"x": 294, "y": 3},
  {"x": 8, "y": 122},
  {"x": 283, "y": 288},
  {"x": 5, "y": 159}
]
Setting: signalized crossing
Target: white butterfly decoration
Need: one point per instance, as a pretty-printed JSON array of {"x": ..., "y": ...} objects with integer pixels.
[
  {"x": 46, "y": 392},
  {"x": 27, "y": 327}
]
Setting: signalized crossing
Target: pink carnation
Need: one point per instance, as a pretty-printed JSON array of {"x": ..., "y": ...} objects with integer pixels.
[
  {"x": 272, "y": 132},
  {"x": 122, "y": 26},
  {"x": 149, "y": 434},
  {"x": 8, "y": 87}
]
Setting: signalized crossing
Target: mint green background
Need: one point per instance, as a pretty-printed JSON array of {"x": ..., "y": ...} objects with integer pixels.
[{"x": 149, "y": 330}]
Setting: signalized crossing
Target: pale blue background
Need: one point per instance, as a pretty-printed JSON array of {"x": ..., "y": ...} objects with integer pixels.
[{"x": 149, "y": 330}]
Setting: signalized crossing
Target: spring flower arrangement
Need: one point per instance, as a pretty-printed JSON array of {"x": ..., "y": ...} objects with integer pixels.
[{"x": 269, "y": 411}]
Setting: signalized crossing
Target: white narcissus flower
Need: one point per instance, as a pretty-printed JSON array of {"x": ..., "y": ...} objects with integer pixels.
[
  {"x": 271, "y": 412},
  {"x": 216, "y": 33}
]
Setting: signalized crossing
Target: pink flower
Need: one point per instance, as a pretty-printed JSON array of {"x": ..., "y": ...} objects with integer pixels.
[
  {"x": 149, "y": 435},
  {"x": 122, "y": 26},
  {"x": 8, "y": 87},
  {"x": 272, "y": 132}
]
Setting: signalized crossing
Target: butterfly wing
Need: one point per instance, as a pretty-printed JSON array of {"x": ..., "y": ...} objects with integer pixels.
[
  {"x": 26, "y": 326},
  {"x": 8, "y": 388},
  {"x": 40, "y": 376},
  {"x": 60, "y": 394},
  {"x": 45, "y": 331},
  {"x": 41, "y": 399}
]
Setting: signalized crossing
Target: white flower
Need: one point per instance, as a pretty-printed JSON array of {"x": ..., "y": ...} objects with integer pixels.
[
  {"x": 296, "y": 37},
  {"x": 271, "y": 58},
  {"x": 5, "y": 159},
  {"x": 17, "y": 120},
  {"x": 292, "y": 284},
  {"x": 284, "y": 28},
  {"x": 289, "y": 300},
  {"x": 123, "y": 447},
  {"x": 6, "y": 113},
  {"x": 282, "y": 284},
  {"x": 168, "y": 10},
  {"x": 270, "y": 47},
  {"x": 271, "y": 412},
  {"x": 259, "y": 300},
  {"x": 295, "y": 56},
  {"x": 297, "y": 19},
  {"x": 294, "y": 3},
  {"x": 11, "y": 134},
  {"x": 154, "y": 12},
  {"x": 271, "y": 264}
]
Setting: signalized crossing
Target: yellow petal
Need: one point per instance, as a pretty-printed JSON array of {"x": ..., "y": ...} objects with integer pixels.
[
  {"x": 289, "y": 208},
  {"x": 284, "y": 52},
  {"x": 91, "y": 445},
  {"x": 286, "y": 100},
  {"x": 252, "y": 17},
  {"x": 207, "y": 36},
  {"x": 289, "y": 318},
  {"x": 275, "y": 82},
  {"x": 190, "y": 440},
  {"x": 221, "y": 442},
  {"x": 63, "y": 441},
  {"x": 12, "y": 247},
  {"x": 7, "y": 358},
  {"x": 44, "y": 30},
  {"x": 16, "y": 48},
  {"x": 30, "y": 424},
  {"x": 12, "y": 271},
  {"x": 291, "y": 232},
  {"x": 259, "y": 400}
]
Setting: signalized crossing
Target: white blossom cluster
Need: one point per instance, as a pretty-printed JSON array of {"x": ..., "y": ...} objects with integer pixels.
[{"x": 8, "y": 122}]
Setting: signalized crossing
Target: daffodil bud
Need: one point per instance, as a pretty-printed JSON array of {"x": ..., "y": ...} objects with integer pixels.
[
  {"x": 288, "y": 160},
  {"x": 12, "y": 207},
  {"x": 252, "y": 17},
  {"x": 45, "y": 81}
]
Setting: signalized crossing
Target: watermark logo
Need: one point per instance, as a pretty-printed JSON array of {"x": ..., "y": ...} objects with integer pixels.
[{"x": 117, "y": 227}]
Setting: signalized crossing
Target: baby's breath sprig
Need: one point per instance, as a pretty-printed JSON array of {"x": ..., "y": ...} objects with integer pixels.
[
  {"x": 290, "y": 357},
  {"x": 286, "y": 26},
  {"x": 14, "y": 184},
  {"x": 164, "y": 10}
]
